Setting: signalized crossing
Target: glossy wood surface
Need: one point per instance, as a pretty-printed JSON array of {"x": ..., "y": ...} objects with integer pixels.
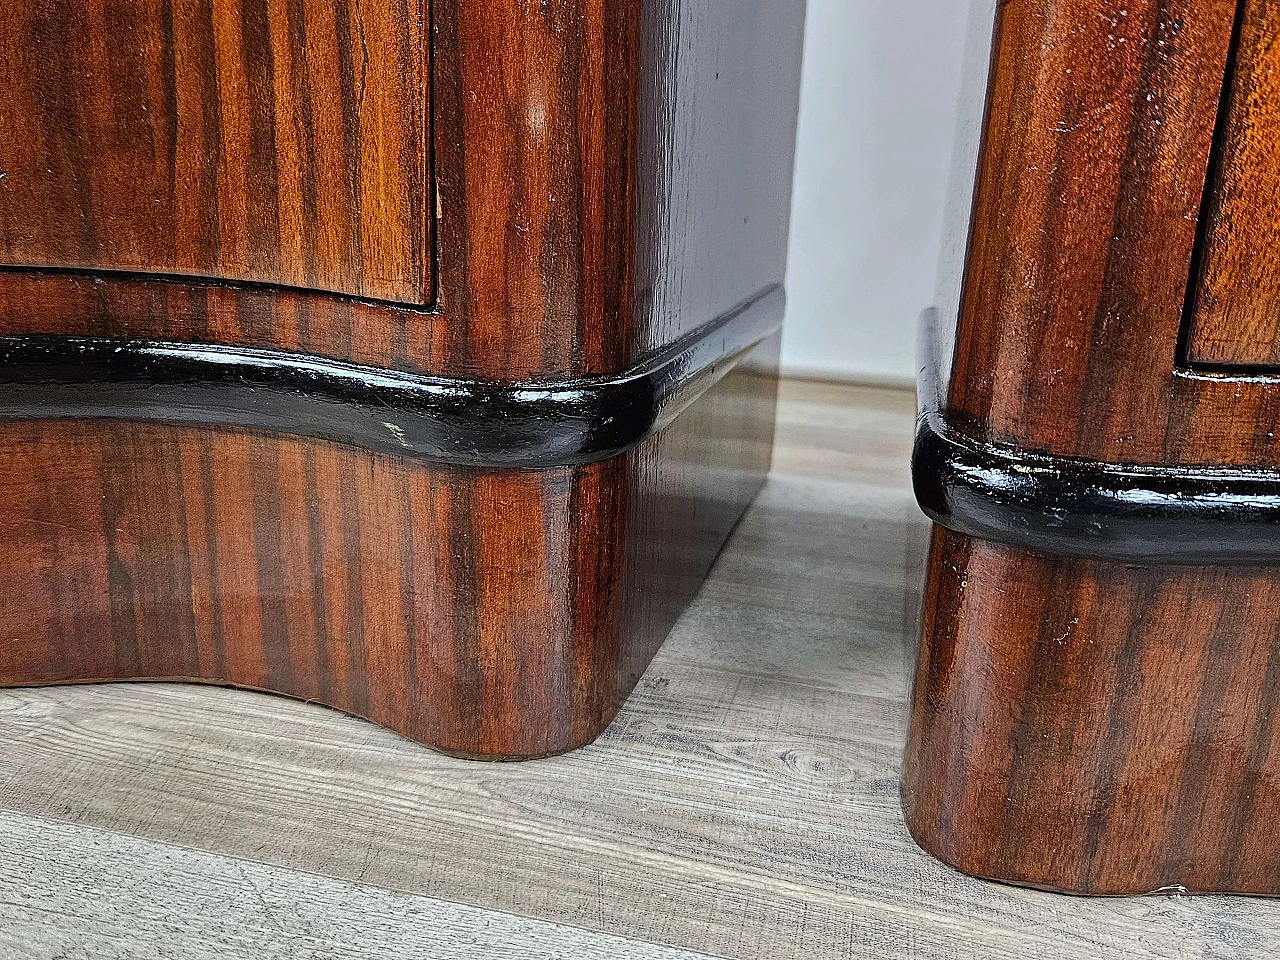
[
  {"x": 1235, "y": 306},
  {"x": 598, "y": 188},
  {"x": 1089, "y": 184},
  {"x": 1078, "y": 724},
  {"x": 278, "y": 142},
  {"x": 603, "y": 188},
  {"x": 486, "y": 613},
  {"x": 1096, "y": 727},
  {"x": 534, "y": 167}
]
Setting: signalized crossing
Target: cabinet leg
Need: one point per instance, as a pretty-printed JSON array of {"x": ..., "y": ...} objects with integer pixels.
[{"x": 1096, "y": 727}]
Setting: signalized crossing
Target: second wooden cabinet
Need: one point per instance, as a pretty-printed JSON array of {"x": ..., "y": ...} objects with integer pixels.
[{"x": 1095, "y": 704}]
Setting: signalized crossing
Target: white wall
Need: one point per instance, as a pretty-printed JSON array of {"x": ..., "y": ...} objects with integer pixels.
[{"x": 877, "y": 119}]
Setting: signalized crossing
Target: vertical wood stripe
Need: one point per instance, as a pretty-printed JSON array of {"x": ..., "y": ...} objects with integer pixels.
[
  {"x": 303, "y": 150},
  {"x": 1235, "y": 309},
  {"x": 1096, "y": 727},
  {"x": 487, "y": 613},
  {"x": 1097, "y": 141},
  {"x": 277, "y": 141},
  {"x": 577, "y": 148},
  {"x": 283, "y": 141}
]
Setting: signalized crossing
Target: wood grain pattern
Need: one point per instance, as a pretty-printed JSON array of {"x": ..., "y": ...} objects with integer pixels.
[
  {"x": 1081, "y": 725},
  {"x": 279, "y": 142},
  {"x": 602, "y": 190},
  {"x": 1235, "y": 315},
  {"x": 486, "y": 613},
  {"x": 1100, "y": 120},
  {"x": 744, "y": 804},
  {"x": 1096, "y": 727}
]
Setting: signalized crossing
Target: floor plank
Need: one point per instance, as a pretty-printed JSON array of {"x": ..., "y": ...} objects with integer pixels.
[
  {"x": 744, "y": 805},
  {"x": 69, "y": 893}
]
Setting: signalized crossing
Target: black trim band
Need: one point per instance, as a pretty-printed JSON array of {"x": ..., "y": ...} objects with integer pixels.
[
  {"x": 468, "y": 422},
  {"x": 1083, "y": 508}
]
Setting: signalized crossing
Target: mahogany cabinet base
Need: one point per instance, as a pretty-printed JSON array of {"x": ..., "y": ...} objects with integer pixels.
[
  {"x": 488, "y": 613},
  {"x": 1097, "y": 727}
]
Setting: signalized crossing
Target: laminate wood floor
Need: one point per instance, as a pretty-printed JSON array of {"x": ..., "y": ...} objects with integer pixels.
[{"x": 744, "y": 804}]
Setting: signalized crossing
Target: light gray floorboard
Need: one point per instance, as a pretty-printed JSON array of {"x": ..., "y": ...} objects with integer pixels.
[
  {"x": 72, "y": 892},
  {"x": 744, "y": 804}
]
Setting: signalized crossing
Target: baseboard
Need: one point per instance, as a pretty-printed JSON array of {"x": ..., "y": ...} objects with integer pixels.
[{"x": 852, "y": 378}]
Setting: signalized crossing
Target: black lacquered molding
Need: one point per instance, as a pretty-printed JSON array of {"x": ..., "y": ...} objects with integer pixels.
[
  {"x": 458, "y": 421},
  {"x": 1083, "y": 508}
]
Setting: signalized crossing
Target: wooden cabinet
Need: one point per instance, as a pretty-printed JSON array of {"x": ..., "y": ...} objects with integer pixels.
[
  {"x": 412, "y": 358},
  {"x": 1095, "y": 696}
]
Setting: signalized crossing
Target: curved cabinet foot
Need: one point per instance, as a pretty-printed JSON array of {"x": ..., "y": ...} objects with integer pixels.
[
  {"x": 1096, "y": 727},
  {"x": 489, "y": 613}
]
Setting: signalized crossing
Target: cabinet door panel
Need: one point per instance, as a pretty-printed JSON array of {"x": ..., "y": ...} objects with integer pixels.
[
  {"x": 1235, "y": 309},
  {"x": 275, "y": 141}
]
